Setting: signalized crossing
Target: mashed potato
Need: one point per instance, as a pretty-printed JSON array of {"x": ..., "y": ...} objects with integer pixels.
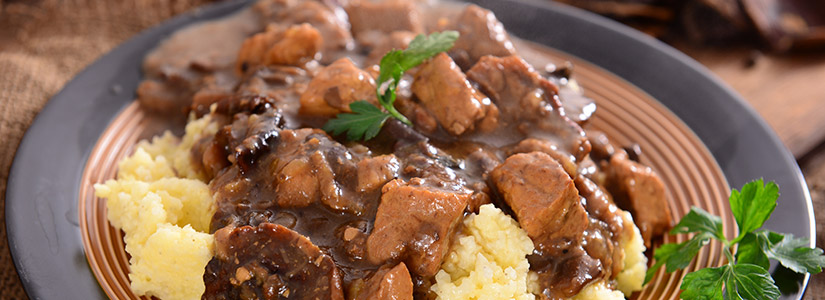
[
  {"x": 632, "y": 276},
  {"x": 487, "y": 260},
  {"x": 165, "y": 218},
  {"x": 195, "y": 130},
  {"x": 598, "y": 291}
]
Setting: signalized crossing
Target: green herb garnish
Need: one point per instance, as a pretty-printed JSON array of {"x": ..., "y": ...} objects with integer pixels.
[
  {"x": 745, "y": 276},
  {"x": 366, "y": 120}
]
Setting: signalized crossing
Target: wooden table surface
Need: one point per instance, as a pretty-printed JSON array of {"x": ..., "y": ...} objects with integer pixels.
[{"x": 789, "y": 92}]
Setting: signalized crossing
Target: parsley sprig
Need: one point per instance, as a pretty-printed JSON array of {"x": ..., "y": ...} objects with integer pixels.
[
  {"x": 745, "y": 276},
  {"x": 366, "y": 120}
]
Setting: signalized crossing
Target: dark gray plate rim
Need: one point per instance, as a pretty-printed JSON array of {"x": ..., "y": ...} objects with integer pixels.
[{"x": 41, "y": 197}]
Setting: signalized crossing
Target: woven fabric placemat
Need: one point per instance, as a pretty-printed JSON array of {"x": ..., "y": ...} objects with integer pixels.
[{"x": 43, "y": 44}]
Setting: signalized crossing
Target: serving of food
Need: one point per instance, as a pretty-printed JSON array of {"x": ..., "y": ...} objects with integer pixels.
[{"x": 379, "y": 150}]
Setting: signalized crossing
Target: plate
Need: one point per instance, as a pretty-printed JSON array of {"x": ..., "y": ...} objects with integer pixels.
[{"x": 50, "y": 169}]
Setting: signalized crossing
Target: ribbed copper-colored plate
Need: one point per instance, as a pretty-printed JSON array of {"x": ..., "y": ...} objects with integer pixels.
[{"x": 626, "y": 114}]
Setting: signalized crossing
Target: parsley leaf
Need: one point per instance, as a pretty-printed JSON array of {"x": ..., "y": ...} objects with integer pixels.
[
  {"x": 749, "y": 282},
  {"x": 704, "y": 284},
  {"x": 745, "y": 276},
  {"x": 753, "y": 206},
  {"x": 364, "y": 123},
  {"x": 741, "y": 281},
  {"x": 699, "y": 220},
  {"x": 677, "y": 256},
  {"x": 750, "y": 251},
  {"x": 791, "y": 252}
]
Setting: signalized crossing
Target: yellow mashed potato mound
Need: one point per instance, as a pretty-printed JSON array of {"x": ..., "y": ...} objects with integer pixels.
[
  {"x": 487, "y": 260},
  {"x": 195, "y": 130},
  {"x": 598, "y": 291},
  {"x": 164, "y": 217},
  {"x": 634, "y": 266}
]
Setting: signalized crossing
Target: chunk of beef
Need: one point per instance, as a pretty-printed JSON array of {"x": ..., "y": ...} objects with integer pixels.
[
  {"x": 304, "y": 167},
  {"x": 445, "y": 92},
  {"x": 602, "y": 148},
  {"x": 608, "y": 224},
  {"x": 544, "y": 199},
  {"x": 388, "y": 284},
  {"x": 421, "y": 118},
  {"x": 294, "y": 45},
  {"x": 567, "y": 161},
  {"x": 213, "y": 89},
  {"x": 547, "y": 205},
  {"x": 415, "y": 224},
  {"x": 374, "y": 172},
  {"x": 284, "y": 84},
  {"x": 528, "y": 101},
  {"x": 397, "y": 40},
  {"x": 382, "y": 16},
  {"x": 228, "y": 106},
  {"x": 481, "y": 34},
  {"x": 336, "y": 86},
  {"x": 164, "y": 96},
  {"x": 516, "y": 87},
  {"x": 297, "y": 184},
  {"x": 241, "y": 141},
  {"x": 269, "y": 262},
  {"x": 636, "y": 188},
  {"x": 427, "y": 163},
  {"x": 333, "y": 29}
]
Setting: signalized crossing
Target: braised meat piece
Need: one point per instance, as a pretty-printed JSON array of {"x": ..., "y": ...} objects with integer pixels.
[
  {"x": 636, "y": 188},
  {"x": 528, "y": 145},
  {"x": 333, "y": 29},
  {"x": 230, "y": 105},
  {"x": 481, "y": 34},
  {"x": 284, "y": 84},
  {"x": 374, "y": 172},
  {"x": 414, "y": 224},
  {"x": 445, "y": 92},
  {"x": 269, "y": 262},
  {"x": 606, "y": 220},
  {"x": 164, "y": 96},
  {"x": 546, "y": 203},
  {"x": 304, "y": 167},
  {"x": 602, "y": 148},
  {"x": 382, "y": 16},
  {"x": 336, "y": 86},
  {"x": 295, "y": 45},
  {"x": 388, "y": 284},
  {"x": 528, "y": 101},
  {"x": 397, "y": 40},
  {"x": 318, "y": 155},
  {"x": 428, "y": 163},
  {"x": 543, "y": 198},
  {"x": 253, "y": 131}
]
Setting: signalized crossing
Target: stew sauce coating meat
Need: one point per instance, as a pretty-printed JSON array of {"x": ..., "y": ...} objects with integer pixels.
[{"x": 302, "y": 214}]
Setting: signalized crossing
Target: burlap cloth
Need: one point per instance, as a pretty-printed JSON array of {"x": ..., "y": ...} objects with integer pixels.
[{"x": 43, "y": 44}]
